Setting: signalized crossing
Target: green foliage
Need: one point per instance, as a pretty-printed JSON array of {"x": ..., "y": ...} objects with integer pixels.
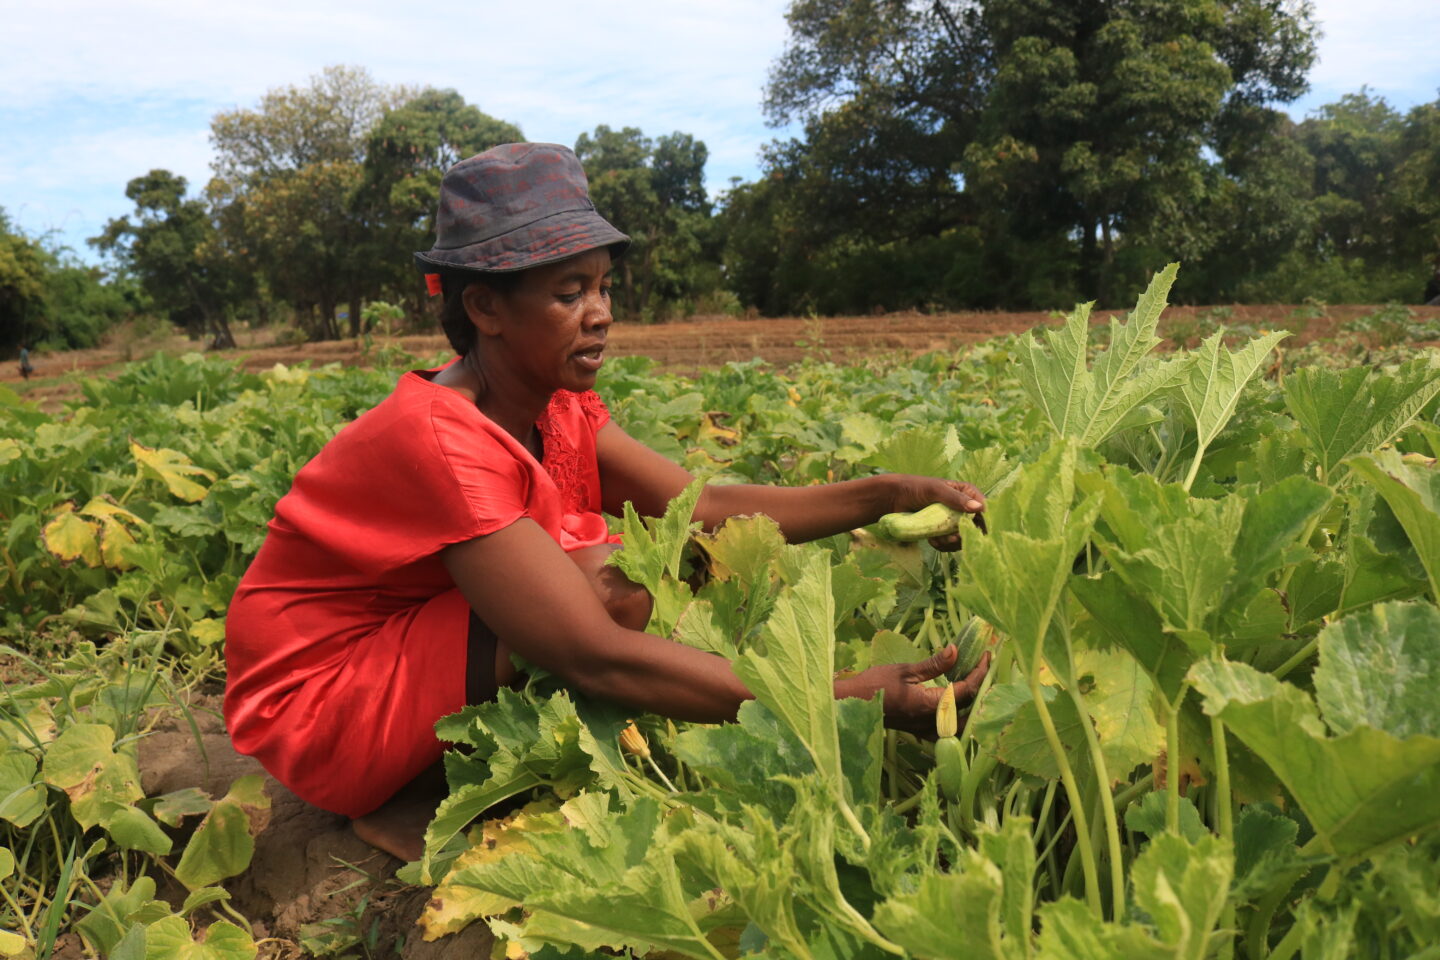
[
  {"x": 48, "y": 299},
  {"x": 172, "y": 248},
  {"x": 1146, "y": 637}
]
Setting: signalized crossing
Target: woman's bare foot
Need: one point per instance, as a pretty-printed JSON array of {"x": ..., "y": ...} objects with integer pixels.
[{"x": 398, "y": 826}]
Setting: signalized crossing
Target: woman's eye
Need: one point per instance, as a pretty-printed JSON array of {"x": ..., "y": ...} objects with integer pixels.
[
  {"x": 568, "y": 297},
  {"x": 605, "y": 292}
]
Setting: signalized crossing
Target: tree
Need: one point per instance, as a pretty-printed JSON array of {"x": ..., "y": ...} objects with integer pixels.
[
  {"x": 288, "y": 174},
  {"x": 22, "y": 286},
  {"x": 170, "y": 248},
  {"x": 1086, "y": 120},
  {"x": 1415, "y": 198},
  {"x": 654, "y": 191}
]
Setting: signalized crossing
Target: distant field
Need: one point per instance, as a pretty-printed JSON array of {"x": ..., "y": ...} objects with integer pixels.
[{"x": 692, "y": 345}]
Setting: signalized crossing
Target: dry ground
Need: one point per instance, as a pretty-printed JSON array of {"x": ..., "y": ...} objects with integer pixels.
[{"x": 684, "y": 346}]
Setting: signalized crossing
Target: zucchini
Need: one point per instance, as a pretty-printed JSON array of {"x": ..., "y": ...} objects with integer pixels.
[
  {"x": 950, "y": 766},
  {"x": 936, "y": 520}
]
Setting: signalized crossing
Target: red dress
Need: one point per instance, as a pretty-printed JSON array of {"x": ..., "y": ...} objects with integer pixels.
[{"x": 346, "y": 639}]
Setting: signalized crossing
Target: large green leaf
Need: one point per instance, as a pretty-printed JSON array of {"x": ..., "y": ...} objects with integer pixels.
[
  {"x": 1346, "y": 412},
  {"x": 171, "y": 939},
  {"x": 794, "y": 674},
  {"x": 21, "y": 798},
  {"x": 1119, "y": 696},
  {"x": 518, "y": 746},
  {"x": 1091, "y": 404},
  {"x": 612, "y": 872},
  {"x": 223, "y": 844},
  {"x": 1127, "y": 620},
  {"x": 1413, "y": 494},
  {"x": 1182, "y": 886},
  {"x": 1015, "y": 577},
  {"x": 1214, "y": 379},
  {"x": 1069, "y": 930},
  {"x": 951, "y": 916},
  {"x": 1381, "y": 668},
  {"x": 1361, "y": 790},
  {"x": 655, "y": 547},
  {"x": 754, "y": 862}
]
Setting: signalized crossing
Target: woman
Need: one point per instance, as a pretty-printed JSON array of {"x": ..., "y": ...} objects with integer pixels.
[{"x": 460, "y": 520}]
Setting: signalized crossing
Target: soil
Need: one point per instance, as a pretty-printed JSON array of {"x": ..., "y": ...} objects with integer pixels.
[
  {"x": 308, "y": 865},
  {"x": 683, "y": 346}
]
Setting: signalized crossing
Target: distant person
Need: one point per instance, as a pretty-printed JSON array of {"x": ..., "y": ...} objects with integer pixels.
[
  {"x": 26, "y": 367},
  {"x": 460, "y": 520}
]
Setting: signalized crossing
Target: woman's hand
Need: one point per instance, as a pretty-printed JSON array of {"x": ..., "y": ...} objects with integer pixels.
[
  {"x": 915, "y": 493},
  {"x": 909, "y": 705}
]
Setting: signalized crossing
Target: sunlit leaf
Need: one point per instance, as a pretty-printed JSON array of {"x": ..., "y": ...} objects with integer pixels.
[
  {"x": 173, "y": 469},
  {"x": 71, "y": 537}
]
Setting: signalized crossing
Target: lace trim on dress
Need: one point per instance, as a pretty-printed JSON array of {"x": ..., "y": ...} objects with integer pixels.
[{"x": 562, "y": 461}]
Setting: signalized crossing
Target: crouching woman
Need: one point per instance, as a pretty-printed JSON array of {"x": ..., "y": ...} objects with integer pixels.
[{"x": 461, "y": 520}]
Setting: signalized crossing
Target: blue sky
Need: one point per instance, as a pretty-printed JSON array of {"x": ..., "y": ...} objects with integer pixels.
[{"x": 93, "y": 93}]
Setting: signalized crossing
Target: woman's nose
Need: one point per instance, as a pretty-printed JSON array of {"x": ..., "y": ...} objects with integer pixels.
[{"x": 598, "y": 312}]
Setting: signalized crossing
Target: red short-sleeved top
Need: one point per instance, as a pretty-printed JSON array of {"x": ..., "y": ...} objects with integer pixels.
[{"x": 341, "y": 624}]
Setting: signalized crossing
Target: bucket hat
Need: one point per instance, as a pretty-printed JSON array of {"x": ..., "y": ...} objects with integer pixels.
[{"x": 516, "y": 206}]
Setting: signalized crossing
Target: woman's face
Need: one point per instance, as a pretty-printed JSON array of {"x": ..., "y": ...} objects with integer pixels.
[{"x": 550, "y": 329}]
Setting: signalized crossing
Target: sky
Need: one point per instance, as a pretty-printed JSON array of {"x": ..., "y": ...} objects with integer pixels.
[{"x": 95, "y": 92}]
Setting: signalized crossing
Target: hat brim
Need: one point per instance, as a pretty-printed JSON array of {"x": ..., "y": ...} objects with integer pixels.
[{"x": 555, "y": 238}]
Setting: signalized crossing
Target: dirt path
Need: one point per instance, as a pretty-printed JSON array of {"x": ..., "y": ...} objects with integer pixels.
[
  {"x": 691, "y": 345},
  {"x": 308, "y": 866}
]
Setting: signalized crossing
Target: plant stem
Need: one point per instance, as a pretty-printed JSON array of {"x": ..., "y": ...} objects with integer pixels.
[
  {"x": 1072, "y": 791},
  {"x": 1194, "y": 466},
  {"x": 1225, "y": 815},
  {"x": 661, "y": 774},
  {"x": 1137, "y": 789},
  {"x": 1107, "y": 799},
  {"x": 1172, "y": 763},
  {"x": 1299, "y": 657},
  {"x": 892, "y": 765}
]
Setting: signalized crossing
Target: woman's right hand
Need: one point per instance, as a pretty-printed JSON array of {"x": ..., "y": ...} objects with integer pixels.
[{"x": 909, "y": 704}]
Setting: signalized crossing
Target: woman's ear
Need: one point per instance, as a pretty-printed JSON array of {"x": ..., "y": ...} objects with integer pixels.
[{"x": 483, "y": 306}]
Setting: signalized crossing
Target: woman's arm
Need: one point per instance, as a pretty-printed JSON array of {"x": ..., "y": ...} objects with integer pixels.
[
  {"x": 631, "y": 471},
  {"x": 541, "y": 606}
]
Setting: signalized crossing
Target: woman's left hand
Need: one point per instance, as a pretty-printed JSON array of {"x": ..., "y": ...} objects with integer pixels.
[{"x": 915, "y": 493}]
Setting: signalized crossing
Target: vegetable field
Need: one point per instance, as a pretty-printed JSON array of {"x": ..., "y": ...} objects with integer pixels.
[{"x": 1208, "y": 586}]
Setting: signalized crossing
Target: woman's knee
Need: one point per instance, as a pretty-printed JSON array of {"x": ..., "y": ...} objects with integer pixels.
[{"x": 628, "y": 603}]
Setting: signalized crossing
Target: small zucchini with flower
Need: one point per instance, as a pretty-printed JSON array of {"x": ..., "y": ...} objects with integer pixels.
[{"x": 949, "y": 754}]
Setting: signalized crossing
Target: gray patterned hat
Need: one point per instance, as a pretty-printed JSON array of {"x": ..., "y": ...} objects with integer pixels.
[{"x": 516, "y": 206}]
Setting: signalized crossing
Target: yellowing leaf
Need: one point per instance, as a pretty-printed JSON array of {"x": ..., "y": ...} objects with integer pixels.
[
  {"x": 9, "y": 450},
  {"x": 171, "y": 468},
  {"x": 208, "y": 631},
  {"x": 11, "y": 944},
  {"x": 1120, "y": 706},
  {"x": 455, "y": 906},
  {"x": 84, "y": 763},
  {"x": 71, "y": 537}
]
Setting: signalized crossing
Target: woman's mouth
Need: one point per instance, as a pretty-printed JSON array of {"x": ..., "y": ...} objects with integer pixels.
[{"x": 590, "y": 359}]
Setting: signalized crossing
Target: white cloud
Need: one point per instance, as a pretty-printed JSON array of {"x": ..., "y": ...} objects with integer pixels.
[
  {"x": 1388, "y": 45},
  {"x": 97, "y": 91}
]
